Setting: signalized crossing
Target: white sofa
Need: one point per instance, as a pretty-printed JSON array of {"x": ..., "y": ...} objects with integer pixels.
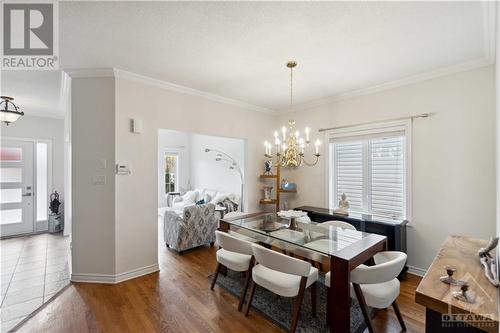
[{"x": 211, "y": 196}]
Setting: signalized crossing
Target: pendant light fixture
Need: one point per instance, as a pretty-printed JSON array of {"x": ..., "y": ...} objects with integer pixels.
[
  {"x": 290, "y": 147},
  {"x": 9, "y": 112}
]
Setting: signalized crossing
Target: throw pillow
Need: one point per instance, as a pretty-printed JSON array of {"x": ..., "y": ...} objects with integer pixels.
[
  {"x": 189, "y": 197},
  {"x": 219, "y": 198}
]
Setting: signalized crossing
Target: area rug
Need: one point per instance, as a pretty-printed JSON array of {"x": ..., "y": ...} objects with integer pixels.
[{"x": 279, "y": 309}]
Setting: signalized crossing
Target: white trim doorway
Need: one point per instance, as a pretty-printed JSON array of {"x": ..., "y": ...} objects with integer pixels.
[{"x": 39, "y": 198}]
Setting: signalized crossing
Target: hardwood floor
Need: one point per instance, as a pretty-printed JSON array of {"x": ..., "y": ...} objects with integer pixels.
[{"x": 179, "y": 299}]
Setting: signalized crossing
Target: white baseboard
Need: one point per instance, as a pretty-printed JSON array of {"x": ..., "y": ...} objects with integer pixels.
[
  {"x": 115, "y": 278},
  {"x": 416, "y": 270},
  {"x": 136, "y": 273},
  {"x": 93, "y": 278}
]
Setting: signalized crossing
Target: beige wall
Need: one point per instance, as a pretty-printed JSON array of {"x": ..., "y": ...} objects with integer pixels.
[
  {"x": 93, "y": 206},
  {"x": 136, "y": 194},
  {"x": 453, "y": 155}
]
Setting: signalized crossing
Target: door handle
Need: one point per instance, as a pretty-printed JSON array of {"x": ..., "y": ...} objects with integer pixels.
[{"x": 27, "y": 195}]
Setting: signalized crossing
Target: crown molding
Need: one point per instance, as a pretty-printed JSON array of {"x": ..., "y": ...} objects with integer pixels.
[
  {"x": 81, "y": 73},
  {"x": 123, "y": 74},
  {"x": 392, "y": 84}
]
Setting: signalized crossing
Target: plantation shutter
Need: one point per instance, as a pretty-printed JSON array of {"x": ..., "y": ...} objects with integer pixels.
[
  {"x": 349, "y": 172},
  {"x": 370, "y": 168},
  {"x": 387, "y": 170}
]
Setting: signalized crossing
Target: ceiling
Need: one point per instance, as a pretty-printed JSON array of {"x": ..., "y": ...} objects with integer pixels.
[{"x": 238, "y": 50}]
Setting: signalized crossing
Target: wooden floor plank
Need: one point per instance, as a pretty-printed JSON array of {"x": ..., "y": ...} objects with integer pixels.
[{"x": 178, "y": 299}]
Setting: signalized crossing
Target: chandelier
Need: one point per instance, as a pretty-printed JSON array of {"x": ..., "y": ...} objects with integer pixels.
[
  {"x": 9, "y": 115},
  {"x": 289, "y": 147}
]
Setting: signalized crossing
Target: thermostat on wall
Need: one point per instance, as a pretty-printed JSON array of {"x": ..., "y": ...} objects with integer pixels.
[
  {"x": 122, "y": 169},
  {"x": 136, "y": 126}
]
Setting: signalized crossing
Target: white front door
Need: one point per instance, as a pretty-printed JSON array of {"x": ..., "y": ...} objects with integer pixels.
[{"x": 16, "y": 187}]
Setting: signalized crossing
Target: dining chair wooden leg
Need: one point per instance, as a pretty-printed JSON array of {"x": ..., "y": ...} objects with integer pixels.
[
  {"x": 328, "y": 310},
  {"x": 298, "y": 304},
  {"x": 363, "y": 306},
  {"x": 217, "y": 270},
  {"x": 398, "y": 314},
  {"x": 247, "y": 282},
  {"x": 250, "y": 298},
  {"x": 313, "y": 299}
]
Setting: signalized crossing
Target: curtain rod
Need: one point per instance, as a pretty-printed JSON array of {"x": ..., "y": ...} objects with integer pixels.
[{"x": 422, "y": 115}]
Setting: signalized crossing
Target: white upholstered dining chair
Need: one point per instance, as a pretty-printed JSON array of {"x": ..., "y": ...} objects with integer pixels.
[
  {"x": 284, "y": 276},
  {"x": 322, "y": 244},
  {"x": 235, "y": 254},
  {"x": 377, "y": 286},
  {"x": 338, "y": 224}
]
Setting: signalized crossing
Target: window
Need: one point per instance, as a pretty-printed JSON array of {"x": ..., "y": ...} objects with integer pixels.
[
  {"x": 42, "y": 195},
  {"x": 370, "y": 166},
  {"x": 171, "y": 172}
]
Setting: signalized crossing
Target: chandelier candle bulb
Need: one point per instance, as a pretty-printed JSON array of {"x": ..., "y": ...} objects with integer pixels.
[
  {"x": 317, "y": 144},
  {"x": 283, "y": 131},
  {"x": 307, "y": 130}
]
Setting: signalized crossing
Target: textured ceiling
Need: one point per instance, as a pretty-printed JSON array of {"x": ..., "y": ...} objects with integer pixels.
[{"x": 238, "y": 50}]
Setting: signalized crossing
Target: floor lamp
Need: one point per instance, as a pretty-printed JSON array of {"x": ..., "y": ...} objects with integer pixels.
[{"x": 222, "y": 156}]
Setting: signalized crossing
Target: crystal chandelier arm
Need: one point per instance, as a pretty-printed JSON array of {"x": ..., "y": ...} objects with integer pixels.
[{"x": 303, "y": 160}]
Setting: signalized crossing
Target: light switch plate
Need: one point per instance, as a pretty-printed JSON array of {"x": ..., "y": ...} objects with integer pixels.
[
  {"x": 103, "y": 163},
  {"x": 99, "y": 180}
]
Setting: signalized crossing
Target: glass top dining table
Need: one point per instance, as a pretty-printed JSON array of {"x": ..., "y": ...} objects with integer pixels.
[
  {"x": 312, "y": 236},
  {"x": 342, "y": 249}
]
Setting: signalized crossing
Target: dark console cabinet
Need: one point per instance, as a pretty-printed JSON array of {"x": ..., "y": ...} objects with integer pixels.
[{"x": 394, "y": 229}]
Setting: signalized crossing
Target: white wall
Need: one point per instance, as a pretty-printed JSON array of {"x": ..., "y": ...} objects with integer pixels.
[
  {"x": 208, "y": 173},
  {"x": 136, "y": 194},
  {"x": 179, "y": 142},
  {"x": 93, "y": 206},
  {"x": 453, "y": 155}
]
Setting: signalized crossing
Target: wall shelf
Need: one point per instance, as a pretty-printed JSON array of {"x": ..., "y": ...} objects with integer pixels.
[
  {"x": 287, "y": 191},
  {"x": 277, "y": 187},
  {"x": 268, "y": 202}
]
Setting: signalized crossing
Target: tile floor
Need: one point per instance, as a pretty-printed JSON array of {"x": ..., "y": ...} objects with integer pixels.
[{"x": 33, "y": 269}]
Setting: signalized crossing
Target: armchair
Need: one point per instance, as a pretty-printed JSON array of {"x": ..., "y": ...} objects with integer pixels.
[{"x": 194, "y": 227}]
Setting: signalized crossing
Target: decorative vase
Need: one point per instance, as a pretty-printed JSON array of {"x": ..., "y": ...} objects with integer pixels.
[{"x": 267, "y": 193}]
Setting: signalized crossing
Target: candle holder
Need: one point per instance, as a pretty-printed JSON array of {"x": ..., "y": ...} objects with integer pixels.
[
  {"x": 462, "y": 295},
  {"x": 449, "y": 279}
]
